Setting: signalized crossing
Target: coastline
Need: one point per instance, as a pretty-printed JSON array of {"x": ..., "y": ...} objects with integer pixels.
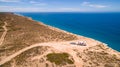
[
  {"x": 60, "y": 30},
  {"x": 36, "y": 40}
]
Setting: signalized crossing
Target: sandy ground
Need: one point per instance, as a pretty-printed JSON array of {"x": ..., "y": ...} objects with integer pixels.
[
  {"x": 60, "y": 46},
  {"x": 4, "y": 34}
]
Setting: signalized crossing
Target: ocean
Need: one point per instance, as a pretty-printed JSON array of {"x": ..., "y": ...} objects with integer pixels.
[{"x": 104, "y": 27}]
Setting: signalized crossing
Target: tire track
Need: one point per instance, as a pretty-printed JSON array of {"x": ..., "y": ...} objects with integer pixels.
[
  {"x": 51, "y": 44},
  {"x": 4, "y": 33}
]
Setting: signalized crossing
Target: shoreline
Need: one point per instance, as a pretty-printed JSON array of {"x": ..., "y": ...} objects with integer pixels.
[
  {"x": 60, "y": 30},
  {"x": 55, "y": 28}
]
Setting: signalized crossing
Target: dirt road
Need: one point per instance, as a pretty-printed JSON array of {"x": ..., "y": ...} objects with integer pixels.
[
  {"x": 4, "y": 33},
  {"x": 61, "y": 46}
]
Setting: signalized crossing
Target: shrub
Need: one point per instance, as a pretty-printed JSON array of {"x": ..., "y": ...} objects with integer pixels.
[{"x": 59, "y": 58}]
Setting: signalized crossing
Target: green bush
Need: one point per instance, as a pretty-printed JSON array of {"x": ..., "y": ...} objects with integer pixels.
[{"x": 59, "y": 58}]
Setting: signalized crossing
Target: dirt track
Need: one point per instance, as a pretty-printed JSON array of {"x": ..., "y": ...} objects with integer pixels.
[
  {"x": 60, "y": 46},
  {"x": 4, "y": 33}
]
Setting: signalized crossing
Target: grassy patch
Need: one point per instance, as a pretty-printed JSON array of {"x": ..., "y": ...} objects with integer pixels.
[
  {"x": 59, "y": 58},
  {"x": 1, "y": 30},
  {"x": 1, "y": 24}
]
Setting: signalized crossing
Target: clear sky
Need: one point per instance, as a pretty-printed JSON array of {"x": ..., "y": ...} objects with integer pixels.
[{"x": 59, "y": 5}]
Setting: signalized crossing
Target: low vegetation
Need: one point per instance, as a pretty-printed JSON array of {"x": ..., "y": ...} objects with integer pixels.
[
  {"x": 1, "y": 26},
  {"x": 94, "y": 57},
  {"x": 23, "y": 32},
  {"x": 59, "y": 58}
]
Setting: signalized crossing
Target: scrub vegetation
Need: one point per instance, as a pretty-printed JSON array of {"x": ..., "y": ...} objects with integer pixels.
[{"x": 59, "y": 58}]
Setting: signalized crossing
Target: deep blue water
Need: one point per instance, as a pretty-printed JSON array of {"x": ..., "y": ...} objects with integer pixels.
[{"x": 104, "y": 27}]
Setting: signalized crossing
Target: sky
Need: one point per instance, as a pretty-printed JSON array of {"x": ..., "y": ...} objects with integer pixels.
[{"x": 59, "y": 5}]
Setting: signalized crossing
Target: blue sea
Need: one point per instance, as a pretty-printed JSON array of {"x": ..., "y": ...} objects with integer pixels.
[{"x": 104, "y": 27}]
